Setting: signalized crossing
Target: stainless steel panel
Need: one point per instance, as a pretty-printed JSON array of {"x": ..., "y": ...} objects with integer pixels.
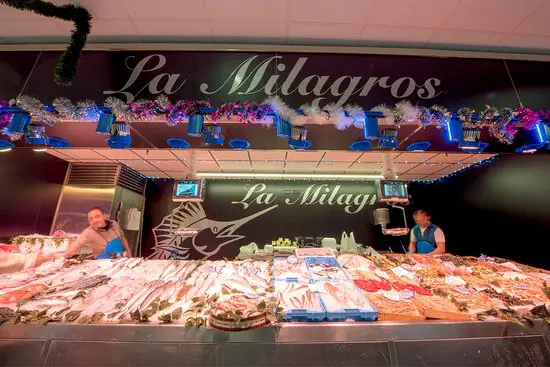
[
  {"x": 286, "y": 333},
  {"x": 70, "y": 353},
  {"x": 20, "y": 352},
  {"x": 75, "y": 203},
  {"x": 509, "y": 351},
  {"x": 345, "y": 354}
]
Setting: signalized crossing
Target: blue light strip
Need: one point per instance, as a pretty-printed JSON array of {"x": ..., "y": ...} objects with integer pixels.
[
  {"x": 539, "y": 133},
  {"x": 448, "y": 123}
]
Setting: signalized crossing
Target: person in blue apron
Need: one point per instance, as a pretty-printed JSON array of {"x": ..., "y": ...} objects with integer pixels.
[
  {"x": 103, "y": 236},
  {"x": 426, "y": 237}
]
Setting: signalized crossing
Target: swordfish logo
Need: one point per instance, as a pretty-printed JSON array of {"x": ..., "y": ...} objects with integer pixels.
[{"x": 211, "y": 237}]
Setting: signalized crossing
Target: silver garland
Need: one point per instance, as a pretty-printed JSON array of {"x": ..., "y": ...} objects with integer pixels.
[{"x": 36, "y": 109}]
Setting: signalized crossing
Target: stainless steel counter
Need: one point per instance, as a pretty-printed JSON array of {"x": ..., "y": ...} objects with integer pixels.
[{"x": 337, "y": 344}]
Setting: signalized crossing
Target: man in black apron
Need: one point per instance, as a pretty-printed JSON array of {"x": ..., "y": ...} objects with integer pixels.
[{"x": 426, "y": 237}]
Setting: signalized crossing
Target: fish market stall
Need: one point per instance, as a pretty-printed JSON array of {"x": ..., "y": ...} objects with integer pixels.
[{"x": 294, "y": 310}]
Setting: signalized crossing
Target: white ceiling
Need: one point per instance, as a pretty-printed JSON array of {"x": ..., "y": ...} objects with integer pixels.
[
  {"x": 165, "y": 163},
  {"x": 481, "y": 25}
]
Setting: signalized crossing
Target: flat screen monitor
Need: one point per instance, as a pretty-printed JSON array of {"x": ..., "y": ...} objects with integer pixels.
[
  {"x": 188, "y": 190},
  {"x": 393, "y": 192}
]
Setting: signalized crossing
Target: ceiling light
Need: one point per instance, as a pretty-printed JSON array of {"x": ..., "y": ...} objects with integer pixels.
[
  {"x": 6, "y": 146},
  {"x": 176, "y": 143},
  {"x": 421, "y": 146},
  {"x": 39, "y": 150},
  {"x": 288, "y": 175},
  {"x": 58, "y": 143}
]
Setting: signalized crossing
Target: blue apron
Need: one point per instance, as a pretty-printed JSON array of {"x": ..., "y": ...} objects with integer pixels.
[
  {"x": 112, "y": 249},
  {"x": 425, "y": 242}
]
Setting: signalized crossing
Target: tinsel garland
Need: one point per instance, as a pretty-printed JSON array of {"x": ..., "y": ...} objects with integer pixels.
[
  {"x": 502, "y": 123},
  {"x": 67, "y": 65}
]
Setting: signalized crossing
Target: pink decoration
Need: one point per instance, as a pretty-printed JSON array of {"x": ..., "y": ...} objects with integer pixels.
[
  {"x": 5, "y": 117},
  {"x": 527, "y": 117}
]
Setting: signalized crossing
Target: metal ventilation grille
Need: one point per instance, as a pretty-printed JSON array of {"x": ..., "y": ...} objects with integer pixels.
[
  {"x": 92, "y": 175},
  {"x": 131, "y": 180}
]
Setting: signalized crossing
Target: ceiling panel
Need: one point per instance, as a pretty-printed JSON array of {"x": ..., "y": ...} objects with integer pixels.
[
  {"x": 246, "y": 9},
  {"x": 482, "y": 25},
  {"x": 57, "y": 153},
  {"x": 177, "y": 175},
  {"x": 400, "y": 168},
  {"x": 174, "y": 165},
  {"x": 294, "y": 156},
  {"x": 270, "y": 166},
  {"x": 477, "y": 158},
  {"x": 117, "y": 154},
  {"x": 365, "y": 167},
  {"x": 410, "y": 157},
  {"x": 377, "y": 156},
  {"x": 432, "y": 177},
  {"x": 164, "y": 9},
  {"x": 407, "y": 177},
  {"x": 451, "y": 169},
  {"x": 490, "y": 15},
  {"x": 230, "y": 155},
  {"x": 300, "y": 166},
  {"x": 330, "y": 11},
  {"x": 329, "y": 167},
  {"x": 83, "y": 154},
  {"x": 139, "y": 165},
  {"x": 207, "y": 166},
  {"x": 267, "y": 155},
  {"x": 426, "y": 169},
  {"x": 449, "y": 158},
  {"x": 157, "y": 174},
  {"x": 341, "y": 156},
  {"x": 429, "y": 13},
  {"x": 158, "y": 154},
  {"x": 240, "y": 166},
  {"x": 200, "y": 155}
]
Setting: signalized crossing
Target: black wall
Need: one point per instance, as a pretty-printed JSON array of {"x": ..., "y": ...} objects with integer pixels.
[
  {"x": 500, "y": 209},
  {"x": 30, "y": 184},
  {"x": 228, "y": 218}
]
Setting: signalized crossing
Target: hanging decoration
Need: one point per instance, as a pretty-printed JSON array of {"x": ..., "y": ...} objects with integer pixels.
[
  {"x": 5, "y": 116},
  {"x": 503, "y": 124},
  {"x": 503, "y": 129},
  {"x": 36, "y": 109},
  {"x": 67, "y": 65},
  {"x": 527, "y": 117}
]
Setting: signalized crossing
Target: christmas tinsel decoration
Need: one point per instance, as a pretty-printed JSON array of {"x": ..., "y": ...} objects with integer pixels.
[{"x": 67, "y": 65}]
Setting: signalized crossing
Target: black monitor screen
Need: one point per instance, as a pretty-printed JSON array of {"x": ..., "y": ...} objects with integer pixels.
[{"x": 394, "y": 189}]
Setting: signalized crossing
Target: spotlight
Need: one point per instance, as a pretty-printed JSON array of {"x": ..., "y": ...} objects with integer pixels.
[
  {"x": 282, "y": 127},
  {"x": 120, "y": 136},
  {"x": 388, "y": 139},
  {"x": 105, "y": 122},
  {"x": 298, "y": 139},
  {"x": 176, "y": 143},
  {"x": 195, "y": 125},
  {"x": 19, "y": 122},
  {"x": 213, "y": 134},
  {"x": 36, "y": 134},
  {"x": 370, "y": 128}
]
